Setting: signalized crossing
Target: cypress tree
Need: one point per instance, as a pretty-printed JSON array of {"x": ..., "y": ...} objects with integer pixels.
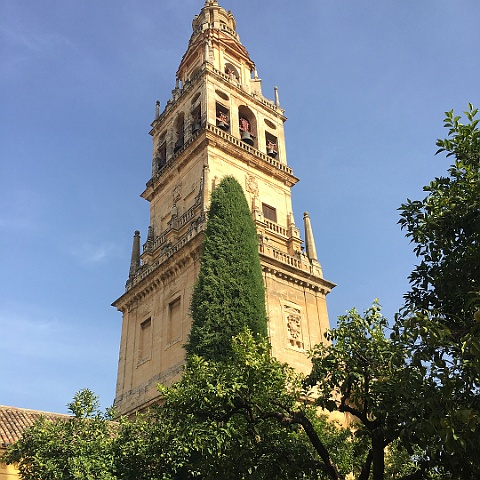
[{"x": 229, "y": 294}]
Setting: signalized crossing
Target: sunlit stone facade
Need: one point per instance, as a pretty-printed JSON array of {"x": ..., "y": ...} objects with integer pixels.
[{"x": 216, "y": 123}]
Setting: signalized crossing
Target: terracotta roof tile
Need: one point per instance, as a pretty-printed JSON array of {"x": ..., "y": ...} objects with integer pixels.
[{"x": 13, "y": 421}]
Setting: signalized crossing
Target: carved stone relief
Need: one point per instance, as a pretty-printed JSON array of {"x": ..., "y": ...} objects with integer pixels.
[
  {"x": 251, "y": 185},
  {"x": 177, "y": 192},
  {"x": 294, "y": 326}
]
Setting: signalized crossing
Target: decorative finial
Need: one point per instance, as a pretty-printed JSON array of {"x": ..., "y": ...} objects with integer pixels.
[
  {"x": 135, "y": 262},
  {"x": 309, "y": 241},
  {"x": 157, "y": 109},
  {"x": 277, "y": 101}
]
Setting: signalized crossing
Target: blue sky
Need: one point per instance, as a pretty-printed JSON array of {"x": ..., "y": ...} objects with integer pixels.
[{"x": 365, "y": 85}]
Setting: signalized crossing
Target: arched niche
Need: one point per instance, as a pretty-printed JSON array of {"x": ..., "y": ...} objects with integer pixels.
[
  {"x": 222, "y": 114},
  {"x": 247, "y": 126},
  {"x": 179, "y": 132},
  {"x": 160, "y": 156},
  {"x": 232, "y": 71}
]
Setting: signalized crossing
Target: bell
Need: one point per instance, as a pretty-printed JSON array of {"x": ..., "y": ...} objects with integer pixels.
[
  {"x": 247, "y": 138},
  {"x": 196, "y": 127},
  {"x": 178, "y": 146},
  {"x": 222, "y": 125},
  {"x": 271, "y": 152}
]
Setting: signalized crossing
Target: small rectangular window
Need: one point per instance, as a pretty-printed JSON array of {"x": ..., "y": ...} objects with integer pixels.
[
  {"x": 269, "y": 213},
  {"x": 145, "y": 341},
  {"x": 162, "y": 155},
  {"x": 174, "y": 332}
]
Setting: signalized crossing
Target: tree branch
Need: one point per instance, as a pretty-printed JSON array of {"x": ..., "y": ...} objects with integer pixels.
[
  {"x": 417, "y": 475},
  {"x": 299, "y": 418},
  {"x": 366, "y": 467}
]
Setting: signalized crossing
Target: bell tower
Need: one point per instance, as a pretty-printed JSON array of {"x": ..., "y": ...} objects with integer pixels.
[{"x": 216, "y": 123}]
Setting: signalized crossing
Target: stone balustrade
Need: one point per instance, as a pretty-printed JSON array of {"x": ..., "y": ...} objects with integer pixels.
[
  {"x": 249, "y": 149},
  {"x": 300, "y": 262},
  {"x": 274, "y": 227}
]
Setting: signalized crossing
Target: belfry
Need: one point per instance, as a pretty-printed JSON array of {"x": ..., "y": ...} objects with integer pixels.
[{"x": 216, "y": 123}]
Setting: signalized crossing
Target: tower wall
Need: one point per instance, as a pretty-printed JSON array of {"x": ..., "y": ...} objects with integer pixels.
[{"x": 217, "y": 123}]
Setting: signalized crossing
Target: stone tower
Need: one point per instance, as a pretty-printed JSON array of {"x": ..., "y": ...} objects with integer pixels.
[{"x": 216, "y": 123}]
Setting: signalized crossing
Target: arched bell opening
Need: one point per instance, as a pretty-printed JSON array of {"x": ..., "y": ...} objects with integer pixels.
[
  {"x": 196, "y": 119},
  {"x": 271, "y": 143},
  {"x": 247, "y": 125},
  {"x": 222, "y": 117},
  {"x": 232, "y": 72},
  {"x": 161, "y": 155},
  {"x": 180, "y": 132},
  {"x": 194, "y": 73}
]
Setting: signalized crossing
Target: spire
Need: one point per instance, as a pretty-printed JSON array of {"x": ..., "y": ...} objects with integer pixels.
[
  {"x": 309, "y": 241},
  {"x": 135, "y": 262},
  {"x": 277, "y": 100}
]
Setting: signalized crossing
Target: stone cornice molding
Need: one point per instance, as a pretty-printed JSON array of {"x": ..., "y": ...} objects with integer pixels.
[
  {"x": 154, "y": 276},
  {"x": 292, "y": 275},
  {"x": 239, "y": 150},
  {"x": 156, "y": 379}
]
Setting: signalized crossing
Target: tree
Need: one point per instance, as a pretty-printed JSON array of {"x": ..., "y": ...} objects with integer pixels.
[
  {"x": 229, "y": 293},
  {"x": 76, "y": 448},
  {"x": 362, "y": 373},
  {"x": 250, "y": 416},
  {"x": 246, "y": 417},
  {"x": 445, "y": 228},
  {"x": 440, "y": 323}
]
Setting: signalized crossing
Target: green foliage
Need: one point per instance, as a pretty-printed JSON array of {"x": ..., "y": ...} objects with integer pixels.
[
  {"x": 148, "y": 447},
  {"x": 364, "y": 374},
  {"x": 229, "y": 293},
  {"x": 245, "y": 417},
  {"x": 445, "y": 228},
  {"x": 440, "y": 326},
  {"x": 80, "y": 447},
  {"x": 85, "y": 404}
]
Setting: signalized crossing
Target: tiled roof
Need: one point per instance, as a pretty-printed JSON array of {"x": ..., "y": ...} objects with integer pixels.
[{"x": 13, "y": 421}]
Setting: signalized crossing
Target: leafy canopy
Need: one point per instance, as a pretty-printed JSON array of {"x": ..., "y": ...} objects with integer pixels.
[
  {"x": 440, "y": 325},
  {"x": 445, "y": 229},
  {"x": 77, "y": 448},
  {"x": 362, "y": 373}
]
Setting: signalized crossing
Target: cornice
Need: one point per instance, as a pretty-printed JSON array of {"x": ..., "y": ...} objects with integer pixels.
[
  {"x": 296, "y": 276},
  {"x": 160, "y": 272}
]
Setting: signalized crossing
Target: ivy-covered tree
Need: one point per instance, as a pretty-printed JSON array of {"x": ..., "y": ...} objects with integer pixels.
[{"x": 229, "y": 293}]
